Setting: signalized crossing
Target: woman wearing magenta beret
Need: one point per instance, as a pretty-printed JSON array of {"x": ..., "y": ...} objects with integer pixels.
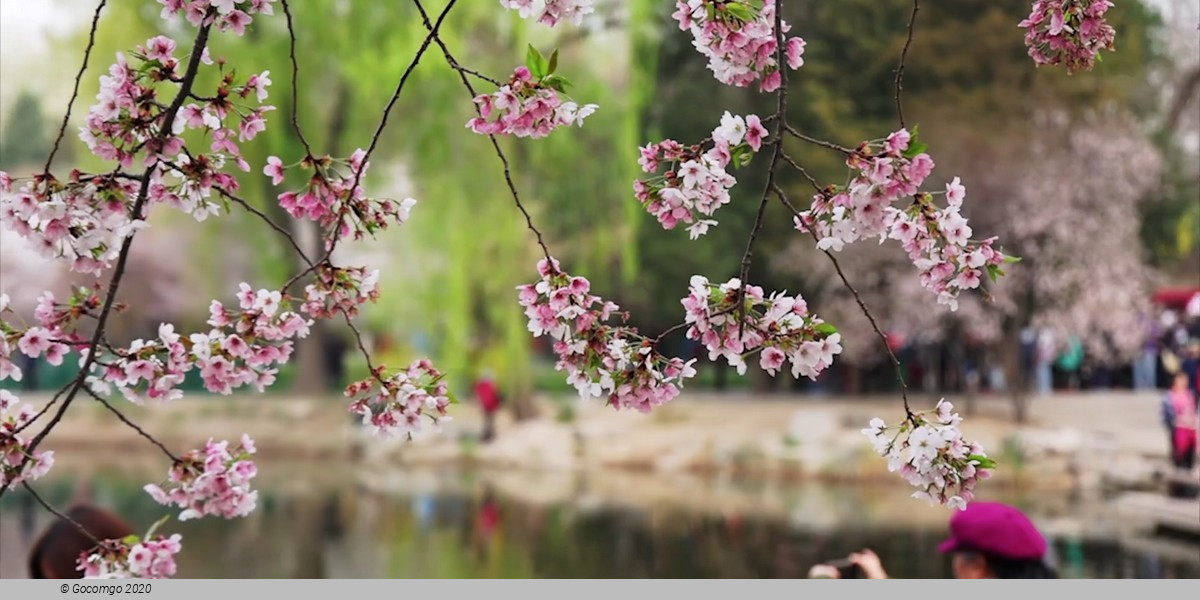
[{"x": 988, "y": 540}]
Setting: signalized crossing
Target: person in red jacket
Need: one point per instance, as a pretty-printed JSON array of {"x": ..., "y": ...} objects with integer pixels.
[{"x": 489, "y": 399}]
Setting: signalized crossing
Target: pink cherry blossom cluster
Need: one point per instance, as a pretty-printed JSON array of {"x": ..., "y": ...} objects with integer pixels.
[
  {"x": 886, "y": 172},
  {"x": 526, "y": 107},
  {"x": 696, "y": 183},
  {"x": 739, "y": 40},
  {"x": 52, "y": 337},
  {"x": 550, "y": 12},
  {"x": 242, "y": 349},
  {"x": 1068, "y": 32},
  {"x": 929, "y": 452},
  {"x": 938, "y": 242},
  {"x": 227, "y": 15},
  {"x": 334, "y": 196},
  {"x": 214, "y": 481},
  {"x": 600, "y": 359},
  {"x": 16, "y": 463},
  {"x": 393, "y": 406},
  {"x": 132, "y": 558},
  {"x": 779, "y": 327},
  {"x": 8, "y": 337},
  {"x": 128, "y": 120},
  {"x": 83, "y": 220},
  {"x": 340, "y": 289}
]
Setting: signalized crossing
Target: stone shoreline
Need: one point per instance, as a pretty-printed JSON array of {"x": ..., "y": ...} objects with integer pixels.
[{"x": 1072, "y": 442}]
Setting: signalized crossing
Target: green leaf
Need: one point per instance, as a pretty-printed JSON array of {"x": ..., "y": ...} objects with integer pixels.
[
  {"x": 984, "y": 462},
  {"x": 156, "y": 525},
  {"x": 1012, "y": 259},
  {"x": 130, "y": 540},
  {"x": 994, "y": 272},
  {"x": 536, "y": 62},
  {"x": 826, "y": 328},
  {"x": 915, "y": 145},
  {"x": 557, "y": 82},
  {"x": 553, "y": 62},
  {"x": 738, "y": 11}
]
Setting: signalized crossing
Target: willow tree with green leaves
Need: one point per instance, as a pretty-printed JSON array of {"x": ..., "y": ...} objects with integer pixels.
[{"x": 473, "y": 247}]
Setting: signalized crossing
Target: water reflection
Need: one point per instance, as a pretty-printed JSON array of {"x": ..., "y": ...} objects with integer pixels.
[{"x": 459, "y": 524}]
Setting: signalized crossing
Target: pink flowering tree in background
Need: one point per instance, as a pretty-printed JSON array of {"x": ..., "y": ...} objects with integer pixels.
[
  {"x": 175, "y": 145},
  {"x": 1083, "y": 272}
]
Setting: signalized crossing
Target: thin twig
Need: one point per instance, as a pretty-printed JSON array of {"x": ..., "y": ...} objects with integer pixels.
[
  {"x": 379, "y": 132},
  {"x": 185, "y": 88},
  {"x": 781, "y": 114},
  {"x": 512, "y": 188},
  {"x": 460, "y": 68},
  {"x": 811, "y": 180},
  {"x": 375, "y": 139},
  {"x": 861, "y": 305},
  {"x": 55, "y": 511},
  {"x": 131, "y": 424},
  {"x": 261, "y": 215},
  {"x": 821, "y": 143},
  {"x": 87, "y": 52},
  {"x": 295, "y": 80},
  {"x": 912, "y": 19},
  {"x": 361, "y": 346}
]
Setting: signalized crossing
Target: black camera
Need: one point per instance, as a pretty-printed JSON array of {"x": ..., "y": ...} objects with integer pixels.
[{"x": 847, "y": 569}]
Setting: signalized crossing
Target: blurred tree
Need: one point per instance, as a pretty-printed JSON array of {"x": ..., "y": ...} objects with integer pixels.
[
  {"x": 25, "y": 140},
  {"x": 465, "y": 243}
]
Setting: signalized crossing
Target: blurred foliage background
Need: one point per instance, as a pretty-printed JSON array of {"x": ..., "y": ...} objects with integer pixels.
[{"x": 449, "y": 274}]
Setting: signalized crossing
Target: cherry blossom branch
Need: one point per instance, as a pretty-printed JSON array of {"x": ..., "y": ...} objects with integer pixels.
[
  {"x": 132, "y": 425},
  {"x": 822, "y": 143},
  {"x": 57, "y": 513},
  {"x": 272, "y": 224},
  {"x": 188, "y": 80},
  {"x": 477, "y": 74},
  {"x": 512, "y": 188},
  {"x": 811, "y": 180},
  {"x": 781, "y": 114},
  {"x": 379, "y": 130},
  {"x": 861, "y": 305},
  {"x": 87, "y": 52},
  {"x": 362, "y": 347},
  {"x": 912, "y": 19},
  {"x": 295, "y": 81}
]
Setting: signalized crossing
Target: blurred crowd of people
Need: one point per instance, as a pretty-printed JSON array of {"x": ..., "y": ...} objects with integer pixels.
[{"x": 1171, "y": 345}]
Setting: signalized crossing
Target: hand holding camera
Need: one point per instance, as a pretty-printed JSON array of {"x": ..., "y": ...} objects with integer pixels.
[{"x": 859, "y": 565}]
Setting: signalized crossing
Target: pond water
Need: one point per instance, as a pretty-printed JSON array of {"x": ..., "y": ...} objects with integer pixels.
[{"x": 338, "y": 521}]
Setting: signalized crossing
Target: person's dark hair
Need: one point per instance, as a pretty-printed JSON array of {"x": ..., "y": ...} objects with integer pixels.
[
  {"x": 56, "y": 553},
  {"x": 1009, "y": 568}
]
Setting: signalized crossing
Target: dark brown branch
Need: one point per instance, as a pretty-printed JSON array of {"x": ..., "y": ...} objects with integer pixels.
[
  {"x": 189, "y": 79},
  {"x": 822, "y": 143},
  {"x": 379, "y": 131},
  {"x": 861, "y": 305},
  {"x": 361, "y": 346},
  {"x": 261, "y": 215},
  {"x": 912, "y": 19},
  {"x": 812, "y": 181},
  {"x": 295, "y": 80},
  {"x": 781, "y": 114},
  {"x": 55, "y": 511},
  {"x": 87, "y": 52},
  {"x": 132, "y": 425},
  {"x": 512, "y": 188},
  {"x": 375, "y": 138},
  {"x": 463, "y": 69}
]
